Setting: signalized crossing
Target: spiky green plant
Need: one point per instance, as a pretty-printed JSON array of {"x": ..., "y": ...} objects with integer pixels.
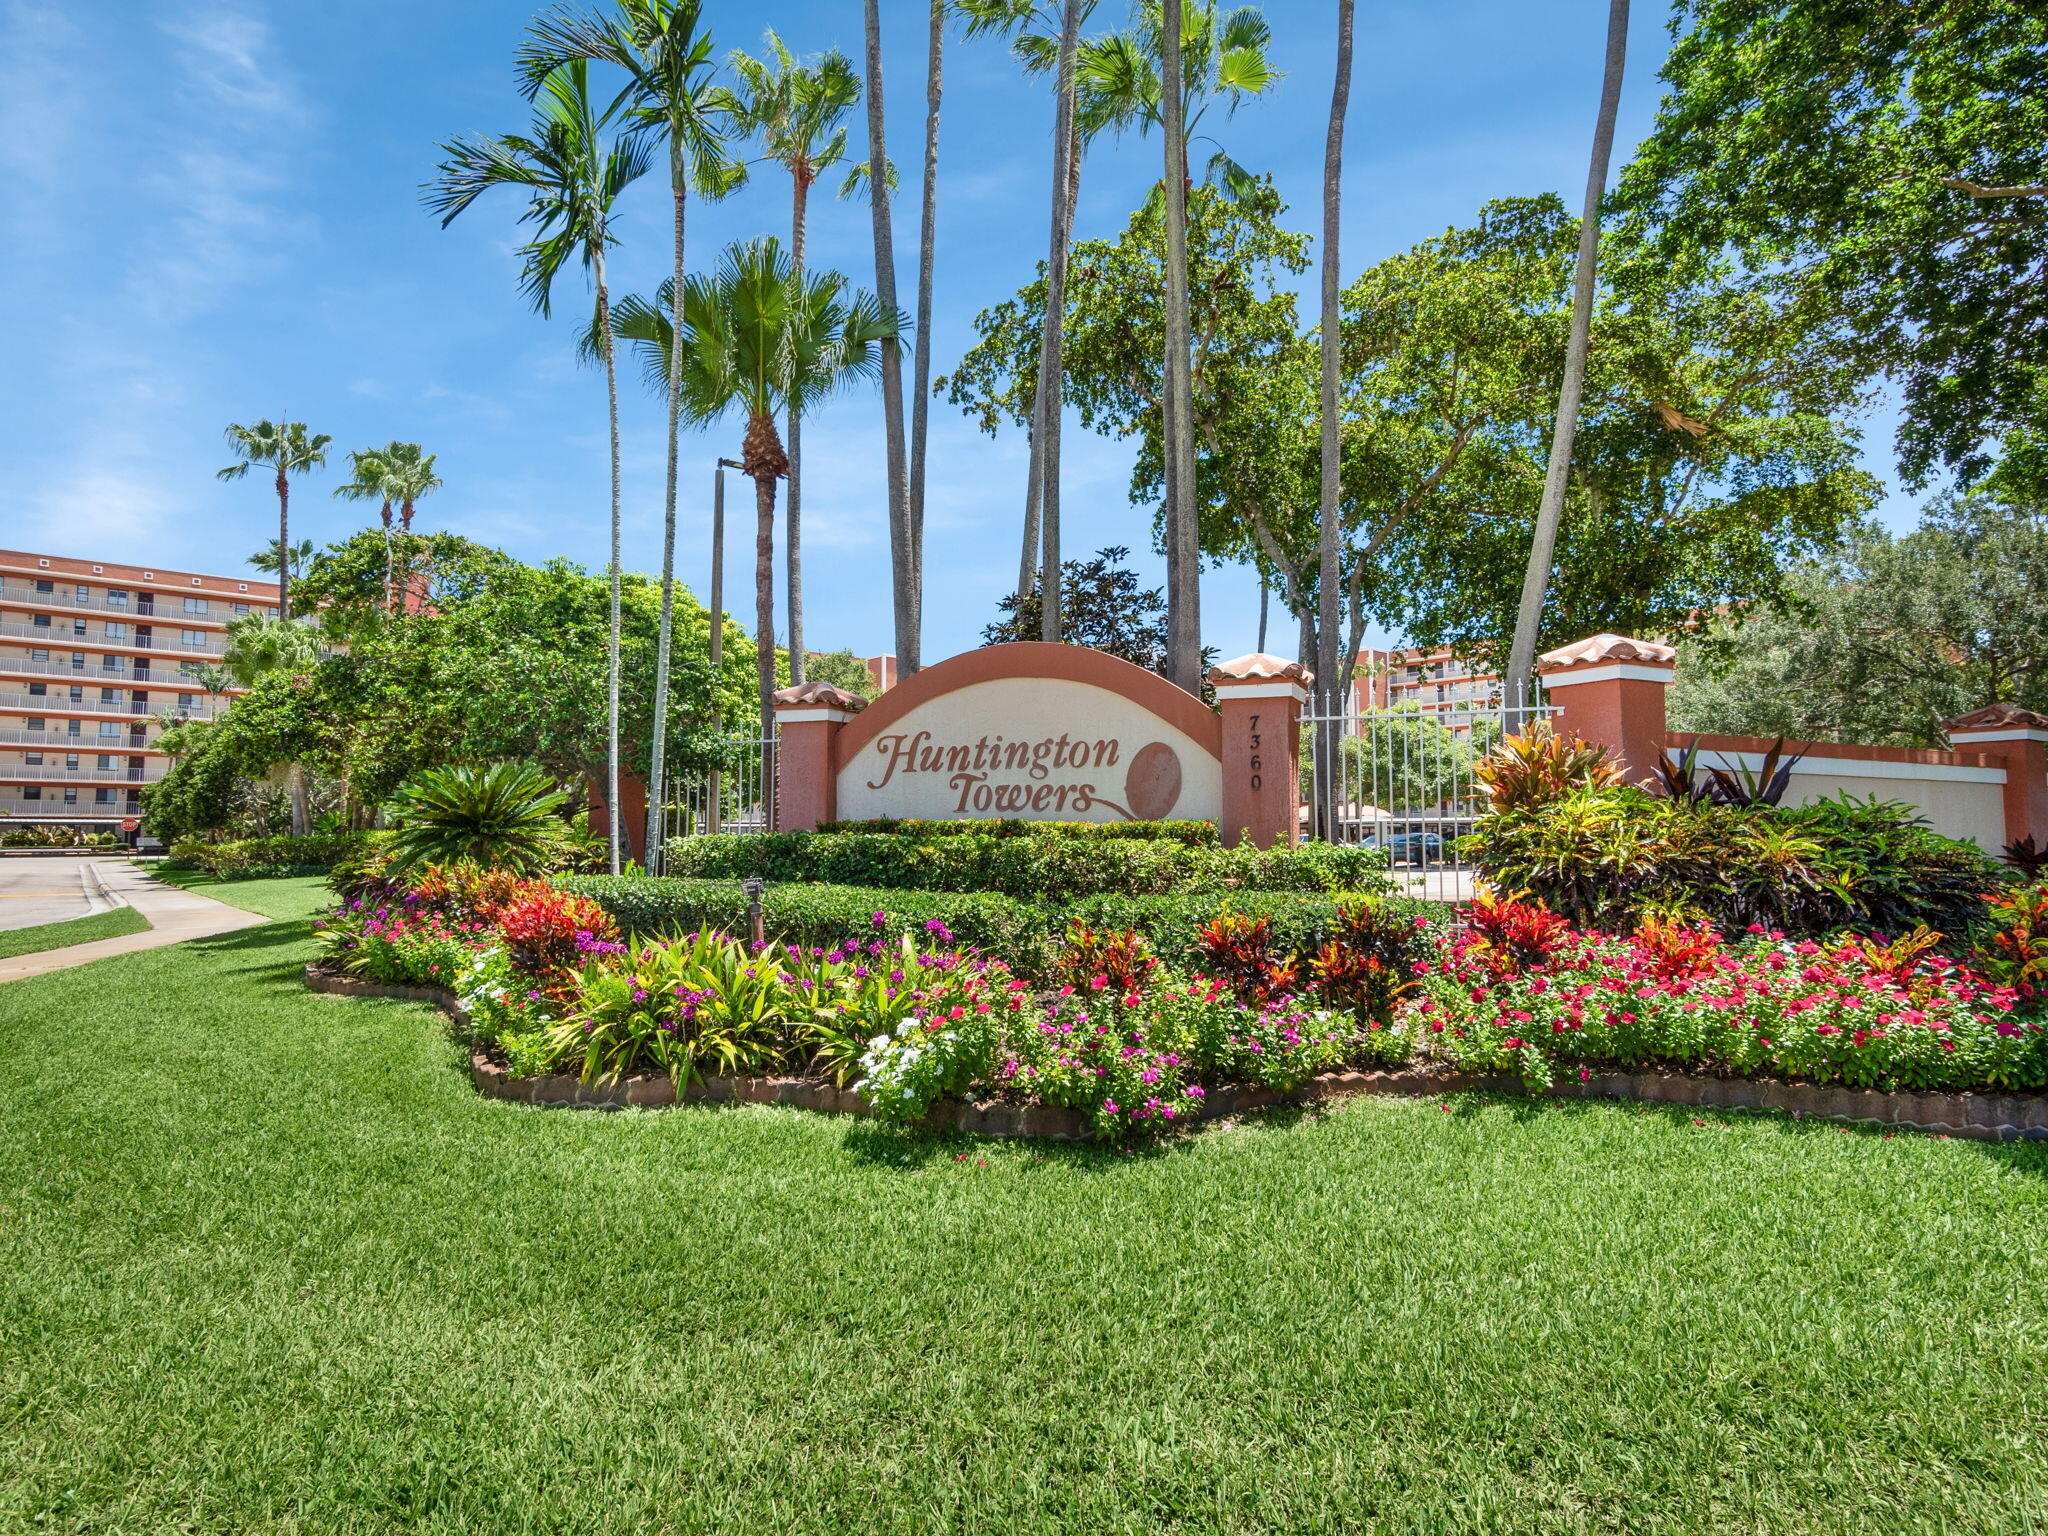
[{"x": 496, "y": 816}]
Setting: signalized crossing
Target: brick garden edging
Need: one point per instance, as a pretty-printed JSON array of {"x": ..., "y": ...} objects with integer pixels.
[{"x": 1973, "y": 1116}]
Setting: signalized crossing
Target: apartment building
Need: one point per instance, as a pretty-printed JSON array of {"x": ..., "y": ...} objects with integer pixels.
[
  {"x": 94, "y": 657},
  {"x": 1433, "y": 681}
]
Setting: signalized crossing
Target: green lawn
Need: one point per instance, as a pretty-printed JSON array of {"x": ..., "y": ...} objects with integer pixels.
[
  {"x": 78, "y": 930},
  {"x": 268, "y": 1265}
]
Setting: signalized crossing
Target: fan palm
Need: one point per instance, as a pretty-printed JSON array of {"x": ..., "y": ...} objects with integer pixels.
[
  {"x": 759, "y": 340},
  {"x": 289, "y": 449},
  {"x": 669, "y": 96},
  {"x": 573, "y": 177},
  {"x": 370, "y": 480},
  {"x": 503, "y": 816},
  {"x": 267, "y": 559},
  {"x": 797, "y": 112}
]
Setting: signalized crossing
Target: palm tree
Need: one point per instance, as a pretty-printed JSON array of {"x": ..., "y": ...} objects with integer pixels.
[
  {"x": 410, "y": 472},
  {"x": 573, "y": 178},
  {"x": 259, "y": 645},
  {"x": 1183, "y": 558},
  {"x": 796, "y": 111},
  {"x": 289, "y": 449},
  {"x": 266, "y": 559},
  {"x": 1543, "y": 544},
  {"x": 668, "y": 67},
  {"x": 1223, "y": 59},
  {"x": 927, "y": 234},
  {"x": 370, "y": 480},
  {"x": 757, "y": 340},
  {"x": 1328, "y": 509},
  {"x": 906, "y": 556}
]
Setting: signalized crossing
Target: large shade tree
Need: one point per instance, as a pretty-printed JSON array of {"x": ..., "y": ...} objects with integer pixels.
[
  {"x": 573, "y": 171},
  {"x": 1886, "y": 162}
]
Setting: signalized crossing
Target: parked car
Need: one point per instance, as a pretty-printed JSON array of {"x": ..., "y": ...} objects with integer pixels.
[{"x": 1410, "y": 847}]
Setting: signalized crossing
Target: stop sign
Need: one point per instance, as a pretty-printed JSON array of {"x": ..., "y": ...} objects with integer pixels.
[{"x": 131, "y": 825}]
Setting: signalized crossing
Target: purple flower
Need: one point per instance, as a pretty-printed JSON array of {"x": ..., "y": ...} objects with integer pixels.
[{"x": 880, "y": 920}]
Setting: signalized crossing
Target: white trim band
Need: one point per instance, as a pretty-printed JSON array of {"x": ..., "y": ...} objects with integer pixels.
[
  {"x": 806, "y": 714},
  {"x": 1608, "y": 672},
  {"x": 1262, "y": 690},
  {"x": 1856, "y": 768},
  {"x": 2000, "y": 733}
]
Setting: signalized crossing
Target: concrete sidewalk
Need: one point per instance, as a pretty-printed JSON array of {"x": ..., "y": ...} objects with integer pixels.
[
  {"x": 48, "y": 888},
  {"x": 174, "y": 916}
]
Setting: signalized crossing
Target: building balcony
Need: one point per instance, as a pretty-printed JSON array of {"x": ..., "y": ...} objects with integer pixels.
[
  {"x": 146, "y": 604},
  {"x": 161, "y": 702},
  {"x": 165, "y": 637},
  {"x": 24, "y": 773},
  {"x": 164, "y": 675},
  {"x": 13, "y": 735}
]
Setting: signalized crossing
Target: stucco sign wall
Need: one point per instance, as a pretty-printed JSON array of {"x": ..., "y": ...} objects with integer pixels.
[{"x": 1036, "y": 732}]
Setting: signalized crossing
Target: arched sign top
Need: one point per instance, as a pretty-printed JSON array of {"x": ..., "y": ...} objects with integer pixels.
[{"x": 1036, "y": 731}]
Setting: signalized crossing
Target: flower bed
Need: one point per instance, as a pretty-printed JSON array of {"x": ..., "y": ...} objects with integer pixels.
[{"x": 1134, "y": 1043}]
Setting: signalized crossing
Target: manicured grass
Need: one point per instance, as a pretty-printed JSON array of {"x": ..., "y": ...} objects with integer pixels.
[
  {"x": 268, "y": 1264},
  {"x": 78, "y": 930}
]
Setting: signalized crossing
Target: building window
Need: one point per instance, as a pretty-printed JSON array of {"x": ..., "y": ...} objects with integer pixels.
[
  {"x": 189, "y": 668},
  {"x": 45, "y": 586},
  {"x": 84, "y": 593},
  {"x": 110, "y": 695},
  {"x": 78, "y": 661},
  {"x": 103, "y": 797},
  {"x": 38, "y": 690},
  {"x": 40, "y": 621},
  {"x": 77, "y": 694},
  {"x": 192, "y": 636},
  {"x": 32, "y": 792},
  {"x": 187, "y": 700},
  {"x": 107, "y": 760},
  {"x": 70, "y": 796},
  {"x": 195, "y": 605},
  {"x": 110, "y": 728},
  {"x": 116, "y": 598},
  {"x": 33, "y": 759},
  {"x": 78, "y": 626},
  {"x": 116, "y": 630},
  {"x": 113, "y": 663},
  {"x": 33, "y": 723},
  {"x": 71, "y": 760},
  {"x": 38, "y": 653},
  {"x": 241, "y": 610}
]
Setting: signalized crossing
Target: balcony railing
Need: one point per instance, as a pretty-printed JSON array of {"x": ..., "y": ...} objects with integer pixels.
[
  {"x": 45, "y": 774},
  {"x": 161, "y": 702},
  {"x": 164, "y": 638},
  {"x": 144, "y": 601},
  {"x": 88, "y": 740}
]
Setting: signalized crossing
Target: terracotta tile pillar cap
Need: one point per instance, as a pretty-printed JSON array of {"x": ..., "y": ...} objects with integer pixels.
[
  {"x": 1996, "y": 717},
  {"x": 818, "y": 696},
  {"x": 1260, "y": 668},
  {"x": 1600, "y": 650}
]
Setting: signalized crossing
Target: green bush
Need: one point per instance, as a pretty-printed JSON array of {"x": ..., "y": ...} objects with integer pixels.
[
  {"x": 1024, "y": 933},
  {"x": 1608, "y": 856},
  {"x": 1194, "y": 834},
  {"x": 268, "y": 858},
  {"x": 1032, "y": 867}
]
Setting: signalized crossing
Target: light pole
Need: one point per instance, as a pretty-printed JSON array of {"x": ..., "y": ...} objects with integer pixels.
[{"x": 712, "y": 806}]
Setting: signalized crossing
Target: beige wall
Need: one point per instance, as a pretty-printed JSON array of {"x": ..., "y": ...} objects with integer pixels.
[
  {"x": 1960, "y": 802},
  {"x": 1036, "y": 748}
]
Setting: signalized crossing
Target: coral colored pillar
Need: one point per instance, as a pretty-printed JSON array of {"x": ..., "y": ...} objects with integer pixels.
[
  {"x": 1610, "y": 689},
  {"x": 633, "y": 800},
  {"x": 807, "y": 722},
  {"x": 2019, "y": 739},
  {"x": 1260, "y": 698}
]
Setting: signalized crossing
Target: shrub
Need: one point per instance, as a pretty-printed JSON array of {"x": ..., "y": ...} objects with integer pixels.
[
  {"x": 503, "y": 816},
  {"x": 1121, "y": 958},
  {"x": 391, "y": 942},
  {"x": 2012, "y": 949},
  {"x": 549, "y": 930},
  {"x": 1606, "y": 857},
  {"x": 269, "y": 858},
  {"x": 1031, "y": 866},
  {"x": 1192, "y": 834},
  {"x": 1539, "y": 767}
]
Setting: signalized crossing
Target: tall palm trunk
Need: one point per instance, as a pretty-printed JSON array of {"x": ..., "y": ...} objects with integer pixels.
[
  {"x": 792, "y": 535},
  {"x": 1543, "y": 544},
  {"x": 1183, "y": 555},
  {"x": 763, "y": 460},
  {"x": 1034, "y": 476},
  {"x": 921, "y": 363},
  {"x": 1330, "y": 687},
  {"x": 657, "y": 764},
  {"x": 613, "y": 831},
  {"x": 284, "y": 545},
  {"x": 905, "y": 556},
  {"x": 390, "y": 569},
  {"x": 1051, "y": 357}
]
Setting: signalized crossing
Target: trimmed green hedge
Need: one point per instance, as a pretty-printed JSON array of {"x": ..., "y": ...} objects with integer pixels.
[
  {"x": 268, "y": 858},
  {"x": 1033, "y": 868},
  {"x": 1195, "y": 834},
  {"x": 1024, "y": 933}
]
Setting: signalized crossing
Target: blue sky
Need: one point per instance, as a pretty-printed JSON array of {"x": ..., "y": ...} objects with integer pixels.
[{"x": 213, "y": 215}]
